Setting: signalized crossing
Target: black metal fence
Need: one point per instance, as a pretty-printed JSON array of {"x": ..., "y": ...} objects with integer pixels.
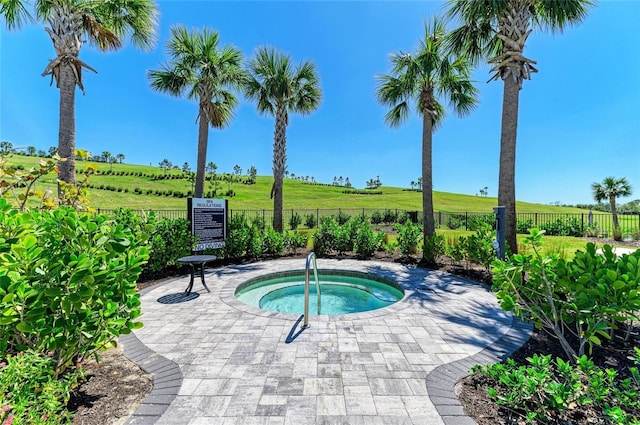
[{"x": 578, "y": 224}]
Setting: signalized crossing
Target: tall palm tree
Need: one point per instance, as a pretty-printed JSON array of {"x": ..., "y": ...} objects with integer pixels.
[
  {"x": 498, "y": 30},
  {"x": 201, "y": 71},
  {"x": 70, "y": 23},
  {"x": 120, "y": 157},
  {"x": 610, "y": 189},
  {"x": 424, "y": 78},
  {"x": 278, "y": 87}
]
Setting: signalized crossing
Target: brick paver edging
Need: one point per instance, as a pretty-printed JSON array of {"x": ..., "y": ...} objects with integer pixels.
[
  {"x": 166, "y": 378},
  {"x": 441, "y": 380}
]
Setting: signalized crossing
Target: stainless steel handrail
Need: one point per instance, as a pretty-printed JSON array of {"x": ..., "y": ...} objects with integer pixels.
[{"x": 310, "y": 258}]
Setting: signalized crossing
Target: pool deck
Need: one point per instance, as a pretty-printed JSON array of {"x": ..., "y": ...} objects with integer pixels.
[{"x": 215, "y": 360}]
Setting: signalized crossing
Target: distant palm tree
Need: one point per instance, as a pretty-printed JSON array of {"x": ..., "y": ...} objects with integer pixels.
[
  {"x": 610, "y": 189},
  {"x": 31, "y": 150},
  {"x": 120, "y": 157},
  {"x": 498, "y": 30},
  {"x": 432, "y": 73},
  {"x": 70, "y": 23},
  {"x": 106, "y": 156},
  {"x": 278, "y": 88},
  {"x": 201, "y": 71}
]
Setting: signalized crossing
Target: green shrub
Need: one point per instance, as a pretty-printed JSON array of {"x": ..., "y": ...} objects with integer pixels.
[
  {"x": 310, "y": 221},
  {"x": 273, "y": 242},
  {"x": 478, "y": 221},
  {"x": 325, "y": 238},
  {"x": 376, "y": 217},
  {"x": 456, "y": 221},
  {"x": 523, "y": 225},
  {"x": 548, "y": 388},
  {"x": 343, "y": 218},
  {"x": 171, "y": 239},
  {"x": 67, "y": 282},
  {"x": 563, "y": 227},
  {"x": 433, "y": 247},
  {"x": 617, "y": 234},
  {"x": 587, "y": 297},
  {"x": 294, "y": 240},
  {"x": 255, "y": 242},
  {"x": 479, "y": 246},
  {"x": 259, "y": 222},
  {"x": 366, "y": 241},
  {"x": 402, "y": 218},
  {"x": 237, "y": 237},
  {"x": 408, "y": 238},
  {"x": 295, "y": 221},
  {"x": 389, "y": 217},
  {"x": 30, "y": 392},
  {"x": 456, "y": 249}
]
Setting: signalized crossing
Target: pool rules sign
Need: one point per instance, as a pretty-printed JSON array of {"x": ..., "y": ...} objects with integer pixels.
[{"x": 208, "y": 219}]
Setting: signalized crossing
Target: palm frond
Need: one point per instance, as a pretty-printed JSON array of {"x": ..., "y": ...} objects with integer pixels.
[
  {"x": 134, "y": 18},
  {"x": 555, "y": 16},
  {"x": 100, "y": 35},
  {"x": 168, "y": 81},
  {"x": 397, "y": 115},
  {"x": 15, "y": 13}
]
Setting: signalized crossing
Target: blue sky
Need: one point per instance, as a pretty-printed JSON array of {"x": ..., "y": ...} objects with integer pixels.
[{"x": 579, "y": 116}]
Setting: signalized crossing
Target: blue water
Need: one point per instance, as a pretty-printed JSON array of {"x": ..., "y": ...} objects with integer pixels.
[{"x": 338, "y": 294}]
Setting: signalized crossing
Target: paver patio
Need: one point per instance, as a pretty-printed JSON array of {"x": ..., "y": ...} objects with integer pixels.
[{"x": 216, "y": 360}]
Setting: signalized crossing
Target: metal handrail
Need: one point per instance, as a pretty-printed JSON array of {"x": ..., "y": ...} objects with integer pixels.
[{"x": 310, "y": 258}]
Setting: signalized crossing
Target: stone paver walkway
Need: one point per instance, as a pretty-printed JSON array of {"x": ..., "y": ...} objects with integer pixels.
[{"x": 216, "y": 360}]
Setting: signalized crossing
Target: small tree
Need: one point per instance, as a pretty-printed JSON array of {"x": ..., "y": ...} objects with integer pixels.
[
  {"x": 6, "y": 147},
  {"x": 252, "y": 173},
  {"x": 165, "y": 164},
  {"x": 120, "y": 157},
  {"x": 237, "y": 171},
  {"x": 611, "y": 188}
]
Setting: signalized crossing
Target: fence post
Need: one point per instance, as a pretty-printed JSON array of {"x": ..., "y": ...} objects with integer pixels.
[
  {"x": 317, "y": 217},
  {"x": 466, "y": 221},
  {"x": 535, "y": 219},
  {"x": 582, "y": 223},
  {"x": 363, "y": 214},
  {"x": 439, "y": 218}
]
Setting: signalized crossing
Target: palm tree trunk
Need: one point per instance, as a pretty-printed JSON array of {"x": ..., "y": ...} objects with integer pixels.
[
  {"x": 427, "y": 176},
  {"x": 203, "y": 140},
  {"x": 506, "y": 180},
  {"x": 279, "y": 161},
  {"x": 67, "y": 128},
  {"x": 614, "y": 212}
]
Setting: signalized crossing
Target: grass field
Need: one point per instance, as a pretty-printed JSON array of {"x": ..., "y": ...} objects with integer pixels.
[{"x": 297, "y": 194}]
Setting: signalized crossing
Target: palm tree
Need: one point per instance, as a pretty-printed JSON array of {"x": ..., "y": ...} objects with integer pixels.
[
  {"x": 201, "y": 71},
  {"x": 611, "y": 188},
  {"x": 278, "y": 87},
  {"x": 70, "y": 23},
  {"x": 427, "y": 76},
  {"x": 120, "y": 157},
  {"x": 498, "y": 30},
  {"x": 105, "y": 156}
]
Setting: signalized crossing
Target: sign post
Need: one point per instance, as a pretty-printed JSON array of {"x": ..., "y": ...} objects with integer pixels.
[{"x": 208, "y": 221}]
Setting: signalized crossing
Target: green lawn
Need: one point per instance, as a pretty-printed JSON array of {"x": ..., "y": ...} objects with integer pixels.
[{"x": 297, "y": 194}]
